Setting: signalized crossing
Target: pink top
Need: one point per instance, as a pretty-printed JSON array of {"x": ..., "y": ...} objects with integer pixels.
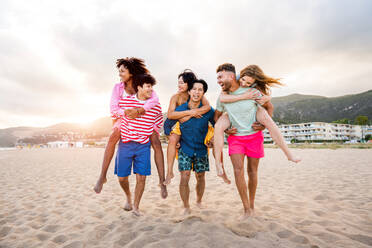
[
  {"x": 117, "y": 93},
  {"x": 139, "y": 129}
]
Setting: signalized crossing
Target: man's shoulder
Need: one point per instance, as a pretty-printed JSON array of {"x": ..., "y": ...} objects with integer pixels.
[{"x": 182, "y": 106}]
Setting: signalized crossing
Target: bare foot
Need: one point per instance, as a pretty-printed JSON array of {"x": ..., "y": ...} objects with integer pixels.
[
  {"x": 137, "y": 213},
  {"x": 168, "y": 179},
  {"x": 294, "y": 159},
  {"x": 219, "y": 170},
  {"x": 128, "y": 206},
  {"x": 186, "y": 211},
  {"x": 99, "y": 185},
  {"x": 225, "y": 179},
  {"x": 163, "y": 191},
  {"x": 252, "y": 213},
  {"x": 200, "y": 205},
  {"x": 245, "y": 216}
]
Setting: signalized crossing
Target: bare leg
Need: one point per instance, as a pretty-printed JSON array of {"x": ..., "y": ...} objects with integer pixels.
[
  {"x": 264, "y": 118},
  {"x": 238, "y": 163},
  {"x": 224, "y": 176},
  {"x": 222, "y": 124},
  {"x": 171, "y": 155},
  {"x": 200, "y": 187},
  {"x": 124, "y": 183},
  {"x": 159, "y": 161},
  {"x": 252, "y": 180},
  {"x": 185, "y": 190},
  {"x": 140, "y": 187},
  {"x": 109, "y": 152}
]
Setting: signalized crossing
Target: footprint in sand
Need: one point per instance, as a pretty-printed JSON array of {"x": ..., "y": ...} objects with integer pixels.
[
  {"x": 60, "y": 239},
  {"x": 51, "y": 228},
  {"x": 43, "y": 236},
  {"x": 75, "y": 244},
  {"x": 5, "y": 231},
  {"x": 300, "y": 239}
]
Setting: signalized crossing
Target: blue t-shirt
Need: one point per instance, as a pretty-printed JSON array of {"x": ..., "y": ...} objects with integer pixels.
[{"x": 193, "y": 132}]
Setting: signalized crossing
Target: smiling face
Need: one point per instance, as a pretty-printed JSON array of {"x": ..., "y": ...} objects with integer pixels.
[
  {"x": 182, "y": 86},
  {"x": 246, "y": 81},
  {"x": 225, "y": 79},
  {"x": 124, "y": 74},
  {"x": 145, "y": 92},
  {"x": 197, "y": 92}
]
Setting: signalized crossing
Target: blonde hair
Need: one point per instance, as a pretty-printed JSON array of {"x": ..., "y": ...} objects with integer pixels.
[{"x": 263, "y": 82}]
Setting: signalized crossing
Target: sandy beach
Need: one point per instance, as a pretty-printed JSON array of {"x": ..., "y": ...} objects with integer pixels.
[{"x": 47, "y": 200}]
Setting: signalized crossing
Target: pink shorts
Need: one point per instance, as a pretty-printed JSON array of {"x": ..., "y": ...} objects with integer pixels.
[{"x": 250, "y": 145}]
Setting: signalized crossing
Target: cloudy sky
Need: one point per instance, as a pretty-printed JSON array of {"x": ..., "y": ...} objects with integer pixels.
[{"x": 58, "y": 57}]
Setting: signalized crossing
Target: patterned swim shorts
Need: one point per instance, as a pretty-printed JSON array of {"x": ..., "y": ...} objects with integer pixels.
[{"x": 186, "y": 162}]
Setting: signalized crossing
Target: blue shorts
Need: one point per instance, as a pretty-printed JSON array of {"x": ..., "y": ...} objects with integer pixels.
[
  {"x": 197, "y": 164},
  {"x": 133, "y": 153}
]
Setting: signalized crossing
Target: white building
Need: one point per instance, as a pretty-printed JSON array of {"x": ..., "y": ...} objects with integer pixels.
[
  {"x": 321, "y": 131},
  {"x": 64, "y": 144}
]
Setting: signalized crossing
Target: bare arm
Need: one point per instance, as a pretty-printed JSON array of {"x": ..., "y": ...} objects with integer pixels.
[
  {"x": 175, "y": 115},
  {"x": 205, "y": 108},
  {"x": 269, "y": 108},
  {"x": 217, "y": 115},
  {"x": 249, "y": 94}
]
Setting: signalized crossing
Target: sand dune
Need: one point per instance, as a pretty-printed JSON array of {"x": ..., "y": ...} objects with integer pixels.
[{"x": 47, "y": 200}]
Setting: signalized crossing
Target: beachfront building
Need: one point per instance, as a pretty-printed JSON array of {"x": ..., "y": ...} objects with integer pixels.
[
  {"x": 320, "y": 131},
  {"x": 64, "y": 144}
]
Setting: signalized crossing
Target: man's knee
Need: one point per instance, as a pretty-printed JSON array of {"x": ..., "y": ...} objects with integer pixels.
[
  {"x": 141, "y": 179},
  {"x": 252, "y": 174},
  {"x": 123, "y": 179},
  {"x": 200, "y": 176},
  {"x": 185, "y": 177}
]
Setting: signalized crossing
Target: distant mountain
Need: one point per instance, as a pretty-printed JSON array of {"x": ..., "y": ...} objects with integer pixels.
[
  {"x": 298, "y": 108},
  {"x": 295, "y": 108}
]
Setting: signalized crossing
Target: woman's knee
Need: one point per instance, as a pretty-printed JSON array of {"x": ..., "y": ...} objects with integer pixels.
[{"x": 173, "y": 139}]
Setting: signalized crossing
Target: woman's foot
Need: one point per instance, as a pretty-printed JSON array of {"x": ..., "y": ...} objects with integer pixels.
[
  {"x": 221, "y": 173},
  {"x": 294, "y": 159},
  {"x": 99, "y": 185},
  {"x": 137, "y": 213},
  {"x": 168, "y": 179}
]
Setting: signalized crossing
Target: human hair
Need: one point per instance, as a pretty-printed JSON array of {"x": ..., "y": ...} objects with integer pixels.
[
  {"x": 135, "y": 66},
  {"x": 188, "y": 76},
  {"x": 226, "y": 67},
  {"x": 200, "y": 81},
  {"x": 263, "y": 82},
  {"x": 141, "y": 79}
]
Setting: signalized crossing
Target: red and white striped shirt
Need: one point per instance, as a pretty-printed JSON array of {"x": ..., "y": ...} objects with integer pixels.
[{"x": 139, "y": 129}]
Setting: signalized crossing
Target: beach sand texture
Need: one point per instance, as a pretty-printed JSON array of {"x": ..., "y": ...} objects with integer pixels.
[{"x": 46, "y": 200}]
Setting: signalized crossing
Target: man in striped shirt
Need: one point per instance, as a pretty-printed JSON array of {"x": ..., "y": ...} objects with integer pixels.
[{"x": 134, "y": 147}]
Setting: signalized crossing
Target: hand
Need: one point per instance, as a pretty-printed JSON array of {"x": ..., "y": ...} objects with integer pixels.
[
  {"x": 195, "y": 113},
  {"x": 178, "y": 145},
  {"x": 251, "y": 94},
  {"x": 132, "y": 113},
  {"x": 209, "y": 144},
  {"x": 258, "y": 126},
  {"x": 264, "y": 99},
  {"x": 231, "y": 131}
]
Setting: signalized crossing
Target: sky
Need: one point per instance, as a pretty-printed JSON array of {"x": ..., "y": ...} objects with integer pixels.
[{"x": 57, "y": 58}]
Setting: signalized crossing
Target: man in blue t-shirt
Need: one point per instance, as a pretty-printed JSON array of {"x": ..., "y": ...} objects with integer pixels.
[{"x": 193, "y": 154}]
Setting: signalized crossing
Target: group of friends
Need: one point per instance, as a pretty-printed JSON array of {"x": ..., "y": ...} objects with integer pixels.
[{"x": 243, "y": 110}]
